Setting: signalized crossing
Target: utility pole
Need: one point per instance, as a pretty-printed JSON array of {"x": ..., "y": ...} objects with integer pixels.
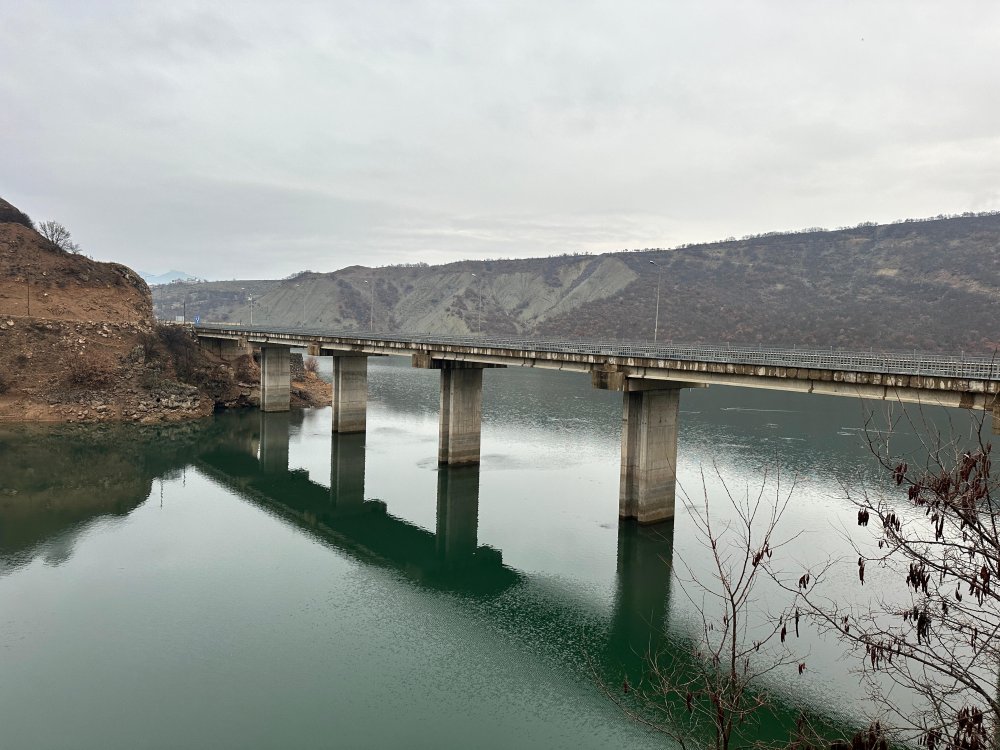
[{"x": 659, "y": 277}]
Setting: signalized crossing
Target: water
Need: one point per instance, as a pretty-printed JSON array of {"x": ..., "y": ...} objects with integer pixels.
[{"x": 245, "y": 581}]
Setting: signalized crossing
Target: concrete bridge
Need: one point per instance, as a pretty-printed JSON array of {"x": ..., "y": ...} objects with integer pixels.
[{"x": 650, "y": 378}]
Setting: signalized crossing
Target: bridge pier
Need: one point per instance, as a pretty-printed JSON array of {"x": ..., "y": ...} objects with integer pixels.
[
  {"x": 460, "y": 423},
  {"x": 460, "y": 426},
  {"x": 650, "y": 410},
  {"x": 275, "y": 378},
  {"x": 350, "y": 393},
  {"x": 649, "y": 455}
]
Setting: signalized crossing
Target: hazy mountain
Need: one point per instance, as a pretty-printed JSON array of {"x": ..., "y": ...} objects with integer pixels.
[
  {"x": 154, "y": 279},
  {"x": 929, "y": 284}
]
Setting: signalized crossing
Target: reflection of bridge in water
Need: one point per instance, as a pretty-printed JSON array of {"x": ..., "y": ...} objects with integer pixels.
[{"x": 252, "y": 462}]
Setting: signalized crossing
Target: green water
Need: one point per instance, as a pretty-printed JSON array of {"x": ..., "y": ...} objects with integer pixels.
[{"x": 249, "y": 582}]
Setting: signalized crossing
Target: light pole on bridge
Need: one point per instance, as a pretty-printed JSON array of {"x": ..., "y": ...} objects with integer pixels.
[
  {"x": 371, "y": 307},
  {"x": 659, "y": 277},
  {"x": 480, "y": 302}
]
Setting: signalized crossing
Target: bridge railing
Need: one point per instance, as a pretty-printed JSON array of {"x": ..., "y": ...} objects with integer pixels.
[{"x": 893, "y": 363}]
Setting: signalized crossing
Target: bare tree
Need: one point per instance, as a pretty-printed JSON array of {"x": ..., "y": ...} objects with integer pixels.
[
  {"x": 933, "y": 627},
  {"x": 58, "y": 235},
  {"x": 711, "y": 697}
]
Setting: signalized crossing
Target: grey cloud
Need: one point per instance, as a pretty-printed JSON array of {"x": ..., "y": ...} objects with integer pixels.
[{"x": 253, "y": 141}]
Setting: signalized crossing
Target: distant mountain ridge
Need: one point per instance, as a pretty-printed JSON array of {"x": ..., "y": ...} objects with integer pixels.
[
  {"x": 932, "y": 285},
  {"x": 154, "y": 279}
]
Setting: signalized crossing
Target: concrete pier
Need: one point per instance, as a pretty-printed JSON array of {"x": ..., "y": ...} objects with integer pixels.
[
  {"x": 347, "y": 472},
  {"x": 456, "y": 535},
  {"x": 275, "y": 378},
  {"x": 274, "y": 442},
  {"x": 350, "y": 393},
  {"x": 461, "y": 416},
  {"x": 461, "y": 408},
  {"x": 649, "y": 454}
]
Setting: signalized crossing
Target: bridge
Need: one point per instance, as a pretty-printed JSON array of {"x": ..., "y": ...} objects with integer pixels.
[{"x": 650, "y": 377}]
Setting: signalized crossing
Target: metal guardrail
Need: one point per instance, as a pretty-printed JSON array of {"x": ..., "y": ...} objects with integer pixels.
[{"x": 894, "y": 363}]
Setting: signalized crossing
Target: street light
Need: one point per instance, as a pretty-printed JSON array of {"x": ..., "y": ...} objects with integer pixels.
[
  {"x": 480, "y": 302},
  {"x": 656, "y": 323},
  {"x": 371, "y": 310}
]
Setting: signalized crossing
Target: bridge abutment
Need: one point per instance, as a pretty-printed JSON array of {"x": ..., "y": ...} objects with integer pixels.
[
  {"x": 275, "y": 378},
  {"x": 227, "y": 350}
]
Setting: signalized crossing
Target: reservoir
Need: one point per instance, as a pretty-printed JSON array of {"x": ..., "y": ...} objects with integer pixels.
[{"x": 248, "y": 581}]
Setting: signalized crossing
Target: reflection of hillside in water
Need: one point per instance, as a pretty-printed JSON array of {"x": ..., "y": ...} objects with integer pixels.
[{"x": 56, "y": 481}]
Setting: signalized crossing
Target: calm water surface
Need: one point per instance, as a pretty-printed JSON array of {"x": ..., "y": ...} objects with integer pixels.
[{"x": 248, "y": 582}]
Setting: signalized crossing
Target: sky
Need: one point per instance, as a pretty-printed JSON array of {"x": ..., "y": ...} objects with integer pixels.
[{"x": 258, "y": 139}]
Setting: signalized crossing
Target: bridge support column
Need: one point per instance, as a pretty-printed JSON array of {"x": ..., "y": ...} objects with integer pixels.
[
  {"x": 350, "y": 393},
  {"x": 649, "y": 455},
  {"x": 461, "y": 416},
  {"x": 461, "y": 408},
  {"x": 275, "y": 378},
  {"x": 274, "y": 442}
]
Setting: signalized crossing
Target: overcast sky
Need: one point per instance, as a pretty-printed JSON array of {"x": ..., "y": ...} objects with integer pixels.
[{"x": 256, "y": 139}]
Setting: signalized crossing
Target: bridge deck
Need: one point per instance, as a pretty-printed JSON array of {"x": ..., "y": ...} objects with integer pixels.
[{"x": 950, "y": 380}]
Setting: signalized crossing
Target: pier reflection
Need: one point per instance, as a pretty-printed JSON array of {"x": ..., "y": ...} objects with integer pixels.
[
  {"x": 341, "y": 516},
  {"x": 113, "y": 471}
]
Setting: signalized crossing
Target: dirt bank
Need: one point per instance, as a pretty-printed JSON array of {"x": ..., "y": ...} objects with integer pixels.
[{"x": 78, "y": 343}]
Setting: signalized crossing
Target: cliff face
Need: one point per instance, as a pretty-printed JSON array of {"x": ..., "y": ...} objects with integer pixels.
[
  {"x": 930, "y": 285},
  {"x": 78, "y": 341}
]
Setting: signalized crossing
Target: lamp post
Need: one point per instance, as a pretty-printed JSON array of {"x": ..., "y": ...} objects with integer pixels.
[
  {"x": 480, "y": 302},
  {"x": 371, "y": 308},
  {"x": 250, "y": 298},
  {"x": 656, "y": 322}
]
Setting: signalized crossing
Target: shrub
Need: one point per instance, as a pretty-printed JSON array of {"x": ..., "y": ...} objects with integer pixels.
[
  {"x": 91, "y": 370},
  {"x": 311, "y": 365}
]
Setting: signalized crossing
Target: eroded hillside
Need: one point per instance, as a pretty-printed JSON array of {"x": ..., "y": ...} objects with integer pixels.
[
  {"x": 78, "y": 341},
  {"x": 931, "y": 285}
]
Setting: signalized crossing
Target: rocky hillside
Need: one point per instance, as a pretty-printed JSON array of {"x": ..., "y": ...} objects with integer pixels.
[
  {"x": 78, "y": 342},
  {"x": 932, "y": 285}
]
